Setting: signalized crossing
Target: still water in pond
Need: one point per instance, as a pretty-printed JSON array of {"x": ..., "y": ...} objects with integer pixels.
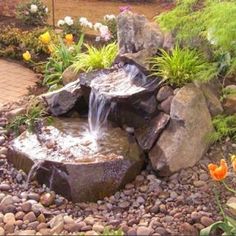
[{"x": 94, "y": 10}]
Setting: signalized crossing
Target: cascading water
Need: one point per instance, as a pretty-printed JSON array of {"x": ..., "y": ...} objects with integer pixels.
[{"x": 104, "y": 88}]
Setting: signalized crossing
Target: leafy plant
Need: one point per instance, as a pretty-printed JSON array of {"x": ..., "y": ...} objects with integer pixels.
[
  {"x": 33, "y": 13},
  {"x": 228, "y": 226},
  {"x": 96, "y": 58},
  {"x": 208, "y": 25},
  {"x": 182, "y": 66},
  {"x": 61, "y": 58},
  {"x": 225, "y": 126},
  {"x": 35, "y": 113}
]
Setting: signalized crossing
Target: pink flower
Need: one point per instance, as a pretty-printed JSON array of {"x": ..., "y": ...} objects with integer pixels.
[{"x": 125, "y": 8}]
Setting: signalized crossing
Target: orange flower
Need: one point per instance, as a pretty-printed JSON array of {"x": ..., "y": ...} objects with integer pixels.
[
  {"x": 218, "y": 173},
  {"x": 233, "y": 160},
  {"x": 69, "y": 39}
]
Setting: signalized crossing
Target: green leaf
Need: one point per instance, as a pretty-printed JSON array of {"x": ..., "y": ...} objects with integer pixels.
[{"x": 217, "y": 225}]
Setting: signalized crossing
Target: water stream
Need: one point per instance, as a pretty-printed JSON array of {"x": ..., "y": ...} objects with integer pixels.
[{"x": 120, "y": 83}]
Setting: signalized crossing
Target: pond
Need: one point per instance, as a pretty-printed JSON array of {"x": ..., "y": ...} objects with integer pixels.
[{"x": 94, "y": 10}]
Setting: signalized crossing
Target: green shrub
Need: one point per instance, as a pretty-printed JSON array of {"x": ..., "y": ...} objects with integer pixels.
[
  {"x": 182, "y": 66},
  {"x": 33, "y": 13},
  {"x": 208, "y": 24},
  {"x": 96, "y": 58},
  {"x": 62, "y": 57},
  {"x": 225, "y": 126},
  {"x": 35, "y": 113}
]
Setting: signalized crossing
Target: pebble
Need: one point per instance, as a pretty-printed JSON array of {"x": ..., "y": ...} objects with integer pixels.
[
  {"x": 142, "y": 230},
  {"x": 199, "y": 183},
  {"x": 98, "y": 228},
  {"x": 2, "y": 140},
  {"x": 34, "y": 196},
  {"x": 30, "y": 217},
  {"x": 89, "y": 220},
  {"x": 206, "y": 221},
  {"x": 5, "y": 187},
  {"x": 47, "y": 199},
  {"x": 124, "y": 204},
  {"x": 7, "y": 200},
  {"x": 2, "y": 231},
  {"x": 26, "y": 206},
  {"x": 9, "y": 218},
  {"x": 3, "y": 151}
]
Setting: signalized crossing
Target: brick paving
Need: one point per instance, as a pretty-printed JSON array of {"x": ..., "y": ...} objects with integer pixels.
[{"x": 15, "y": 80}]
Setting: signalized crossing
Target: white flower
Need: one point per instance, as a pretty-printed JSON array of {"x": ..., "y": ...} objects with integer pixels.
[
  {"x": 68, "y": 20},
  {"x": 60, "y": 23},
  {"x": 46, "y": 10},
  {"x": 90, "y": 25},
  {"x": 33, "y": 8},
  {"x": 97, "y": 26},
  {"x": 104, "y": 33},
  {"x": 109, "y": 17}
]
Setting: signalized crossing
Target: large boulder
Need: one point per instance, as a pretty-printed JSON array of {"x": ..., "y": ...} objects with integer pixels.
[
  {"x": 184, "y": 141},
  {"x": 138, "y": 39},
  {"x": 71, "y": 162},
  {"x": 127, "y": 90},
  {"x": 62, "y": 100},
  {"x": 212, "y": 92}
]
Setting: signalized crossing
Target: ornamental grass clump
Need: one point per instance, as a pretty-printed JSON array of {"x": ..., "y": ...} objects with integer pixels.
[
  {"x": 219, "y": 173},
  {"x": 96, "y": 58},
  {"x": 182, "y": 66},
  {"x": 33, "y": 13}
]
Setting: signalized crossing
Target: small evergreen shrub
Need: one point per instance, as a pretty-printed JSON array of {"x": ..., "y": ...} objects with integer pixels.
[
  {"x": 33, "y": 12},
  {"x": 182, "y": 66}
]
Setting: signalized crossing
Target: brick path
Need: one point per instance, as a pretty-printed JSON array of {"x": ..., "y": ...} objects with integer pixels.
[{"x": 14, "y": 81}]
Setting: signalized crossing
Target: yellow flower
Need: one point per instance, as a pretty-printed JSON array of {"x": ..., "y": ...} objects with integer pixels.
[
  {"x": 218, "y": 173},
  {"x": 69, "y": 39},
  {"x": 233, "y": 160},
  {"x": 26, "y": 56},
  {"x": 45, "y": 38}
]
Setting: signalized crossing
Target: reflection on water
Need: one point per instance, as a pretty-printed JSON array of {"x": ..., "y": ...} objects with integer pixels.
[{"x": 69, "y": 140}]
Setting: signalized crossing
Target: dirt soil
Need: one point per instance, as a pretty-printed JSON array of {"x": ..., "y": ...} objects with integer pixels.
[{"x": 94, "y": 10}]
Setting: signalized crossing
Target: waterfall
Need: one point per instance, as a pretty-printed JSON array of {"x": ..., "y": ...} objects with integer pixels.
[
  {"x": 99, "y": 109},
  {"x": 120, "y": 83}
]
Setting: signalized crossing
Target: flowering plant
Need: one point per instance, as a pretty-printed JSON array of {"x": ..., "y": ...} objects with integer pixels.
[
  {"x": 70, "y": 26},
  {"x": 219, "y": 174},
  {"x": 33, "y": 13}
]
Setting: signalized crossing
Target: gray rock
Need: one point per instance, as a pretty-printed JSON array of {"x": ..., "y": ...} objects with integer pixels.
[
  {"x": 165, "y": 105},
  {"x": 177, "y": 147},
  {"x": 148, "y": 135},
  {"x": 63, "y": 100},
  {"x": 138, "y": 37},
  {"x": 164, "y": 92}
]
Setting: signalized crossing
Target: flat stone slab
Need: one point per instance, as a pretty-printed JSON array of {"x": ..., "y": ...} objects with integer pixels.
[{"x": 67, "y": 159}]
